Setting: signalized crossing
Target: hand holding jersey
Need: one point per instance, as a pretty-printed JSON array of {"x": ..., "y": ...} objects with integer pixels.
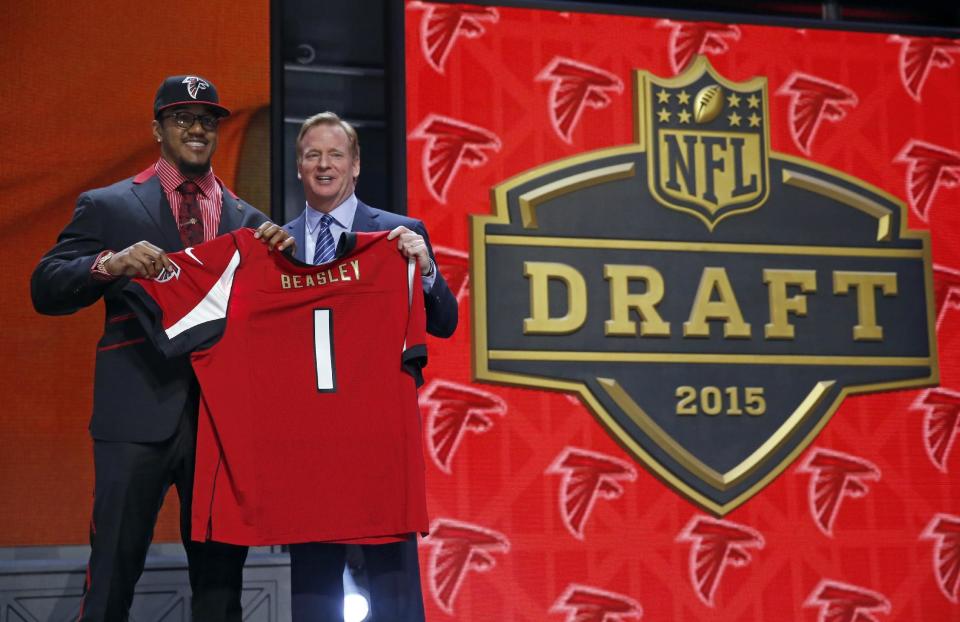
[
  {"x": 413, "y": 246},
  {"x": 142, "y": 259}
]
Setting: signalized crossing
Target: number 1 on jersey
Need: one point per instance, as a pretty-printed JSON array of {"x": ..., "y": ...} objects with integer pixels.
[{"x": 323, "y": 350}]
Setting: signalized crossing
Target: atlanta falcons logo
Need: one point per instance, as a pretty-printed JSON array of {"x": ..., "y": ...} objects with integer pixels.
[
  {"x": 929, "y": 168},
  {"x": 587, "y": 476},
  {"x": 455, "y": 267},
  {"x": 940, "y": 423},
  {"x": 944, "y": 530},
  {"x": 835, "y": 475},
  {"x": 441, "y": 25},
  {"x": 450, "y": 144},
  {"x": 946, "y": 290},
  {"x": 716, "y": 545},
  {"x": 195, "y": 85},
  {"x": 166, "y": 275},
  {"x": 812, "y": 100},
  {"x": 455, "y": 409},
  {"x": 918, "y": 55},
  {"x": 842, "y": 602},
  {"x": 458, "y": 548},
  {"x": 573, "y": 87},
  {"x": 583, "y": 603},
  {"x": 687, "y": 39}
]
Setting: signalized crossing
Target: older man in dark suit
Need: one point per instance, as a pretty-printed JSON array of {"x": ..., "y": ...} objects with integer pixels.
[
  {"x": 145, "y": 407},
  {"x": 328, "y": 164}
]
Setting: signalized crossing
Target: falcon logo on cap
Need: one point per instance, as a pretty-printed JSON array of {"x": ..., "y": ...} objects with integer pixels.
[{"x": 194, "y": 84}]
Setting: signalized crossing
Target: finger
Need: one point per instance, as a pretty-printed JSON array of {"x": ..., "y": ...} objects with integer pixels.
[
  {"x": 412, "y": 240},
  {"x": 154, "y": 265},
  {"x": 262, "y": 228},
  {"x": 397, "y": 231},
  {"x": 416, "y": 247},
  {"x": 408, "y": 239},
  {"x": 272, "y": 234},
  {"x": 290, "y": 242},
  {"x": 165, "y": 262},
  {"x": 143, "y": 254},
  {"x": 154, "y": 260},
  {"x": 275, "y": 237}
]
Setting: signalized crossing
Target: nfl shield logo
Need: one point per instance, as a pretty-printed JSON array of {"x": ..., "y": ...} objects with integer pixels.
[
  {"x": 708, "y": 140},
  {"x": 713, "y": 354}
]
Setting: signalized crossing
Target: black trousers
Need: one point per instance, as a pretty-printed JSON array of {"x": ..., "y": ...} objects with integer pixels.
[
  {"x": 131, "y": 480},
  {"x": 393, "y": 572}
]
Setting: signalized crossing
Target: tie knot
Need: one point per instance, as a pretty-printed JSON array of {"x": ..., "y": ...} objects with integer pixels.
[
  {"x": 326, "y": 220},
  {"x": 189, "y": 187}
]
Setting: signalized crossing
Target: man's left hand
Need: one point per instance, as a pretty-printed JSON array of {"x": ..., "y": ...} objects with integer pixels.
[
  {"x": 412, "y": 244},
  {"x": 275, "y": 236}
]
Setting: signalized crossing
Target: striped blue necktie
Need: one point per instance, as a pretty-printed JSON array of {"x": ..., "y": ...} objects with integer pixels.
[{"x": 326, "y": 249}]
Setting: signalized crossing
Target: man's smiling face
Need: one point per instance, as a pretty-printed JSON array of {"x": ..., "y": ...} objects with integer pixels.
[
  {"x": 327, "y": 166},
  {"x": 190, "y": 149}
]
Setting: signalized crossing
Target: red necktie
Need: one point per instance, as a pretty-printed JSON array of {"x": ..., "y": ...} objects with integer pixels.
[{"x": 190, "y": 220}]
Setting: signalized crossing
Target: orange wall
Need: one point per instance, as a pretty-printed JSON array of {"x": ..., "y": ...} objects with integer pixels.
[{"x": 76, "y": 96}]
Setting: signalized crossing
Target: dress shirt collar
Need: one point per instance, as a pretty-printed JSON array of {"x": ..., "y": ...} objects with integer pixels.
[
  {"x": 342, "y": 214},
  {"x": 171, "y": 178}
]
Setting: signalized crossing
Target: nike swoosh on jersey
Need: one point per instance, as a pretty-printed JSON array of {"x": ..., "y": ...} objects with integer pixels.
[{"x": 189, "y": 252}]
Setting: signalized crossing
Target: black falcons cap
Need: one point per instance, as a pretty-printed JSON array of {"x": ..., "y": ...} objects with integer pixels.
[{"x": 181, "y": 90}]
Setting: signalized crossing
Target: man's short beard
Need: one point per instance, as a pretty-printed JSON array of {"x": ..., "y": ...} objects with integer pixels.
[{"x": 193, "y": 170}]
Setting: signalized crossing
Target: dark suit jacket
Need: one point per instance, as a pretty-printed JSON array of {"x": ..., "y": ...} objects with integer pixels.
[
  {"x": 138, "y": 395},
  {"x": 441, "y": 304}
]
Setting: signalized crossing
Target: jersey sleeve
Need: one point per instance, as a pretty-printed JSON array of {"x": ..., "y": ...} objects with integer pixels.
[
  {"x": 415, "y": 340},
  {"x": 185, "y": 309}
]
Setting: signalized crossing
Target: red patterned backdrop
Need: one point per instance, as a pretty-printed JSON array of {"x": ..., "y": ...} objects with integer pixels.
[{"x": 516, "y": 535}]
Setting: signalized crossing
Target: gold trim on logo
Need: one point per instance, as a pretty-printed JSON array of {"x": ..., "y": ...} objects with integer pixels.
[
  {"x": 704, "y": 247},
  {"x": 708, "y": 358},
  {"x": 842, "y": 195},
  {"x": 720, "y": 481},
  {"x": 530, "y": 201}
]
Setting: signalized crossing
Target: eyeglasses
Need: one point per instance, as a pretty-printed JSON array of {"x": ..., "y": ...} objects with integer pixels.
[{"x": 186, "y": 120}]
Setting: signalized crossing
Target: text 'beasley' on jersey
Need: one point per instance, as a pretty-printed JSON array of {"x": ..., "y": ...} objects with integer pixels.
[{"x": 309, "y": 427}]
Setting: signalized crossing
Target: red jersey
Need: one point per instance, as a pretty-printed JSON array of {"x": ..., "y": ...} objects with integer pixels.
[{"x": 309, "y": 427}]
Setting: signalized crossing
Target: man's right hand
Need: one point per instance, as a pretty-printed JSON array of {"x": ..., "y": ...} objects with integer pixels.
[{"x": 142, "y": 259}]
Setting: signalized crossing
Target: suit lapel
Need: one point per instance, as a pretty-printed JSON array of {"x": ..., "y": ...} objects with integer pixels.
[
  {"x": 231, "y": 214},
  {"x": 298, "y": 229},
  {"x": 154, "y": 201},
  {"x": 365, "y": 219}
]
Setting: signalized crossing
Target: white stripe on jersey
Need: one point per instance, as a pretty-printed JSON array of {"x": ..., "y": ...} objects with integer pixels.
[
  {"x": 411, "y": 272},
  {"x": 411, "y": 264},
  {"x": 214, "y": 304},
  {"x": 323, "y": 349}
]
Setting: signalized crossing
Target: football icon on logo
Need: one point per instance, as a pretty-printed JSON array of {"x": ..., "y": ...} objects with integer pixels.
[{"x": 708, "y": 103}]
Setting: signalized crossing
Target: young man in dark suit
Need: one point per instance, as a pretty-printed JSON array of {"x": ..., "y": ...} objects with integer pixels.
[
  {"x": 145, "y": 407},
  {"x": 328, "y": 164}
]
